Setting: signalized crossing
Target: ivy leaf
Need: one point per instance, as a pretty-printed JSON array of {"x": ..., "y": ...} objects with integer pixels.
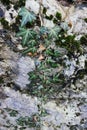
[
  {"x": 26, "y": 16},
  {"x": 26, "y": 35},
  {"x": 43, "y": 30},
  {"x": 53, "y": 33},
  {"x": 31, "y": 43}
]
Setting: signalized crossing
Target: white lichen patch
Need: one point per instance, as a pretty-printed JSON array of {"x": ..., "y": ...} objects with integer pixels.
[
  {"x": 33, "y": 6},
  {"x": 25, "y": 65},
  {"x": 79, "y": 26},
  {"x": 10, "y": 15},
  {"x": 25, "y": 105}
]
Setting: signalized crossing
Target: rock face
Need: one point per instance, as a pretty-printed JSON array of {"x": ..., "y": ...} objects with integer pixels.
[
  {"x": 15, "y": 108},
  {"x": 68, "y": 111},
  {"x": 1, "y": 13},
  {"x": 52, "y": 7},
  {"x": 20, "y": 102},
  {"x": 69, "y": 13},
  {"x": 33, "y": 6},
  {"x": 10, "y": 15},
  {"x": 79, "y": 26},
  {"x": 24, "y": 65},
  {"x": 13, "y": 66},
  {"x": 18, "y": 109},
  {"x": 72, "y": 65},
  {"x": 16, "y": 66}
]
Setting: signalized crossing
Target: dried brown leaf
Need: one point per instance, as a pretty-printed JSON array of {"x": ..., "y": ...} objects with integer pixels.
[
  {"x": 41, "y": 57},
  {"x": 41, "y": 48}
]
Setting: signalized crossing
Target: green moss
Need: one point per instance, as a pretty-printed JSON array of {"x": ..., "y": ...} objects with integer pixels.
[
  {"x": 86, "y": 66},
  {"x": 44, "y": 10},
  {"x": 4, "y": 23},
  {"x": 6, "y": 2},
  {"x": 15, "y": 26},
  {"x": 85, "y": 20},
  {"x": 1, "y": 80},
  {"x": 58, "y": 16},
  {"x": 20, "y": 3},
  {"x": 22, "y": 128},
  {"x": 69, "y": 43},
  {"x": 80, "y": 74}
]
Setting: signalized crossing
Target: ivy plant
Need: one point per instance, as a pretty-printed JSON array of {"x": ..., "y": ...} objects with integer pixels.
[
  {"x": 26, "y": 16},
  {"x": 42, "y": 44}
]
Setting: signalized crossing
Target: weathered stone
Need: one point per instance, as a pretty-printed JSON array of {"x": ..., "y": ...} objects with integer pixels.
[
  {"x": 33, "y": 6},
  {"x": 79, "y": 26},
  {"x": 17, "y": 66},
  {"x": 25, "y": 105},
  {"x": 25, "y": 65},
  {"x": 69, "y": 109},
  {"x": 10, "y": 15}
]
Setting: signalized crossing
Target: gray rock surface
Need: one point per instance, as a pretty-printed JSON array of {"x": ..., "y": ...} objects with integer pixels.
[
  {"x": 24, "y": 66},
  {"x": 17, "y": 66},
  {"x": 79, "y": 26},
  {"x": 18, "y": 109},
  {"x": 24, "y": 104}
]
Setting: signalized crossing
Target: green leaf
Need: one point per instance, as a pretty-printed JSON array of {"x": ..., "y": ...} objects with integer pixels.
[
  {"x": 53, "y": 33},
  {"x": 32, "y": 76},
  {"x": 51, "y": 62},
  {"x": 31, "y": 43},
  {"x": 43, "y": 30},
  {"x": 26, "y": 16},
  {"x": 26, "y": 34},
  {"x": 32, "y": 50},
  {"x": 55, "y": 79},
  {"x": 58, "y": 16}
]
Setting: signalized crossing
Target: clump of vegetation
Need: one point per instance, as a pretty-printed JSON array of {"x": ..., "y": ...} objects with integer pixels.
[
  {"x": 32, "y": 121},
  {"x": 1, "y": 80},
  {"x": 12, "y": 113},
  {"x": 42, "y": 43},
  {"x": 6, "y": 2},
  {"x": 32, "y": 37},
  {"x": 83, "y": 40},
  {"x": 85, "y": 20},
  {"x": 20, "y": 3},
  {"x": 4, "y": 23},
  {"x": 26, "y": 121}
]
